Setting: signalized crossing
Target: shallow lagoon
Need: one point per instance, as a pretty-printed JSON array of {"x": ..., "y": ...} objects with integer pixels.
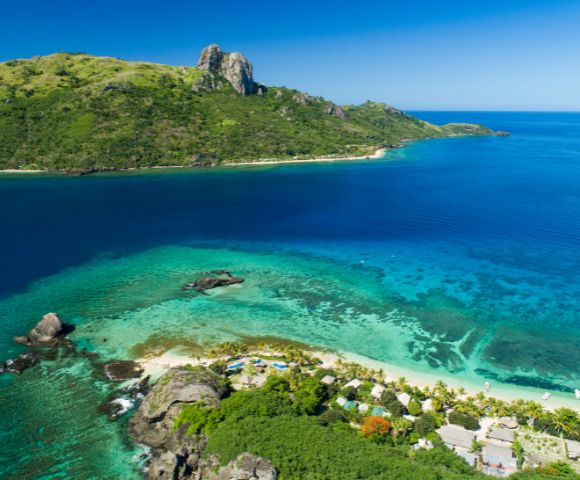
[{"x": 458, "y": 257}]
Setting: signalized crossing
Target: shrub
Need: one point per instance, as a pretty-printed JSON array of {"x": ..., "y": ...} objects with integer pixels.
[
  {"x": 309, "y": 396},
  {"x": 375, "y": 427},
  {"x": 414, "y": 408},
  {"x": 465, "y": 420},
  {"x": 220, "y": 367},
  {"x": 349, "y": 393},
  {"x": 330, "y": 416},
  {"x": 424, "y": 424}
]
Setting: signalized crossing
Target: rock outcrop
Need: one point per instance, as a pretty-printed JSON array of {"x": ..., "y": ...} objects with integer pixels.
[
  {"x": 121, "y": 370},
  {"x": 174, "y": 454},
  {"x": 220, "y": 67},
  {"x": 17, "y": 365},
  {"x": 49, "y": 331},
  {"x": 335, "y": 111},
  {"x": 213, "y": 279},
  {"x": 243, "y": 467}
]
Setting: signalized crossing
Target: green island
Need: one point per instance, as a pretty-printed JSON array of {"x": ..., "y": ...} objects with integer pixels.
[
  {"x": 276, "y": 411},
  {"x": 77, "y": 112}
]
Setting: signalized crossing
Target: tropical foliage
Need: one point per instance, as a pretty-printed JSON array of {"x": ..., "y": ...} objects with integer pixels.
[{"x": 76, "y": 111}]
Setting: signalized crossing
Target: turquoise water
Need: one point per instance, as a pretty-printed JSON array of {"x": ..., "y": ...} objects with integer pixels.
[{"x": 453, "y": 256}]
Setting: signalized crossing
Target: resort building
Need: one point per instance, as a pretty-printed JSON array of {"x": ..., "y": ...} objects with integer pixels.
[
  {"x": 363, "y": 408},
  {"x": 573, "y": 450},
  {"x": 502, "y": 434},
  {"x": 353, "y": 383},
  {"x": 377, "y": 391},
  {"x": 404, "y": 398},
  {"x": 427, "y": 405},
  {"x": 456, "y": 437},
  {"x": 498, "y": 460},
  {"x": 327, "y": 380}
]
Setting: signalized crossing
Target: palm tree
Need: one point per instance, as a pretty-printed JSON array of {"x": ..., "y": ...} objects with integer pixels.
[
  {"x": 565, "y": 420},
  {"x": 401, "y": 383},
  {"x": 533, "y": 410}
]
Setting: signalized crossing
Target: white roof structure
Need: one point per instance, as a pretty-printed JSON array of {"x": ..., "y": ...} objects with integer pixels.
[
  {"x": 341, "y": 401},
  {"x": 353, "y": 383},
  {"x": 363, "y": 407},
  {"x": 377, "y": 391},
  {"x": 573, "y": 450},
  {"x": 427, "y": 405},
  {"x": 456, "y": 436},
  {"x": 503, "y": 434},
  {"x": 411, "y": 418},
  {"x": 327, "y": 380},
  {"x": 404, "y": 398}
]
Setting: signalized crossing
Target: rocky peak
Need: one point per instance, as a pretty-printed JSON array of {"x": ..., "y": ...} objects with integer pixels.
[
  {"x": 210, "y": 58},
  {"x": 234, "y": 68}
]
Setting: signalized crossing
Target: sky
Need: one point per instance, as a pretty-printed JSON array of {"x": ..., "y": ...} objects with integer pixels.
[{"x": 414, "y": 54}]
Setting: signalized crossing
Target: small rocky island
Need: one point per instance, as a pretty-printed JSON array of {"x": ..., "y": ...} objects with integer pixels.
[{"x": 213, "y": 279}]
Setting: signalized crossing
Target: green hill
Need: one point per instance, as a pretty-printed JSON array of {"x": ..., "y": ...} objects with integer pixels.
[{"x": 76, "y": 111}]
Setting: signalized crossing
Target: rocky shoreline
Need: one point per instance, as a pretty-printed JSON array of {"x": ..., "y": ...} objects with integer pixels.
[{"x": 175, "y": 454}]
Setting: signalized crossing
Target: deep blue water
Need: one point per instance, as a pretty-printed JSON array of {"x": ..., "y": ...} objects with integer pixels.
[{"x": 470, "y": 235}]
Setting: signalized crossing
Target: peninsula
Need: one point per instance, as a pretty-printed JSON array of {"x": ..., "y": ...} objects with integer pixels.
[{"x": 77, "y": 112}]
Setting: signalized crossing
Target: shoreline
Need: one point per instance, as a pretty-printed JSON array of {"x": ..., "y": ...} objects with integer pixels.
[
  {"x": 158, "y": 364},
  {"x": 379, "y": 153}
]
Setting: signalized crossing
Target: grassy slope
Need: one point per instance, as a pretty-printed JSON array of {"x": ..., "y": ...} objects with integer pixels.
[{"x": 69, "y": 111}]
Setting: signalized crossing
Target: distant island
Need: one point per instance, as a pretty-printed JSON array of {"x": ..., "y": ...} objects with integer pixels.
[{"x": 77, "y": 112}]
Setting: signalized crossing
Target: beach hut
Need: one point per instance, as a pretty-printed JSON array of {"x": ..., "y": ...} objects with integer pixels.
[
  {"x": 404, "y": 398},
  {"x": 377, "y": 391},
  {"x": 327, "y": 380},
  {"x": 501, "y": 434},
  {"x": 456, "y": 436},
  {"x": 353, "y": 383},
  {"x": 573, "y": 450},
  {"x": 509, "y": 422},
  {"x": 363, "y": 407}
]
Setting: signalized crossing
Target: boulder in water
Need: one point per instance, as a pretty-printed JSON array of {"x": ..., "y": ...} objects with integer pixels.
[{"x": 49, "y": 331}]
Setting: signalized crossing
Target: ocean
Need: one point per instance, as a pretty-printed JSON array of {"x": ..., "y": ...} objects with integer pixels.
[{"x": 451, "y": 257}]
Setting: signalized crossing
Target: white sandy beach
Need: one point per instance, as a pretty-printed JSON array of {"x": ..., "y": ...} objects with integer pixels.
[
  {"x": 156, "y": 366},
  {"x": 378, "y": 154}
]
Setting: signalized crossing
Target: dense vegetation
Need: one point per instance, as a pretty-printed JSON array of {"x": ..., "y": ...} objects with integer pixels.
[
  {"x": 75, "y": 111},
  {"x": 293, "y": 422}
]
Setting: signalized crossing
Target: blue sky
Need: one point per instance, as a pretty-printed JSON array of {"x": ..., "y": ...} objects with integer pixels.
[{"x": 492, "y": 55}]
